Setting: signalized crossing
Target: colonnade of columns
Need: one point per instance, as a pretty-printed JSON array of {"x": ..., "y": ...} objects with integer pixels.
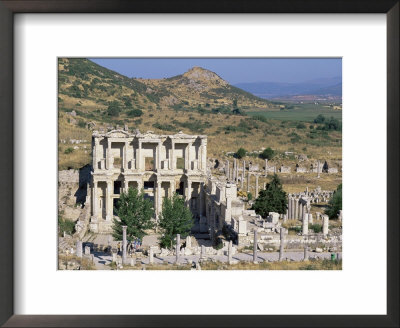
[
  {"x": 235, "y": 173},
  {"x": 137, "y": 162},
  {"x": 157, "y": 190},
  {"x": 297, "y": 208}
]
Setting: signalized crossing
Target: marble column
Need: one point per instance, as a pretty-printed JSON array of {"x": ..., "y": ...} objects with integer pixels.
[
  {"x": 79, "y": 248},
  {"x": 94, "y": 155},
  {"x": 290, "y": 208},
  {"x": 227, "y": 169},
  {"x": 318, "y": 168},
  {"x": 151, "y": 255},
  {"x": 126, "y": 156},
  {"x": 171, "y": 159},
  {"x": 187, "y": 157},
  {"x": 188, "y": 192},
  {"x": 230, "y": 252},
  {"x": 95, "y": 201},
  {"x": 159, "y": 198},
  {"x": 282, "y": 243},
  {"x": 234, "y": 169},
  {"x": 158, "y": 156},
  {"x": 188, "y": 160},
  {"x": 305, "y": 225},
  {"x": 266, "y": 167},
  {"x": 296, "y": 209},
  {"x": 139, "y": 156},
  {"x": 255, "y": 247},
  {"x": 108, "y": 154},
  {"x": 237, "y": 172},
  {"x": 124, "y": 244},
  {"x": 310, "y": 218},
  {"x": 109, "y": 201},
  {"x": 305, "y": 253},
  {"x": 256, "y": 195},
  {"x": 203, "y": 155},
  {"x": 325, "y": 224},
  {"x": 242, "y": 181},
  {"x": 248, "y": 182}
]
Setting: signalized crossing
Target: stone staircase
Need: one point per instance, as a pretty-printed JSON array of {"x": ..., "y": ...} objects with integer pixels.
[{"x": 82, "y": 224}]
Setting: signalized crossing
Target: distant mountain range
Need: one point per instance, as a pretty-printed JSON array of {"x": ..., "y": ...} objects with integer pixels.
[{"x": 328, "y": 89}]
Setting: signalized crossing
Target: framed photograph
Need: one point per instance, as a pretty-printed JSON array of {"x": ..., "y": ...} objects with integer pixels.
[{"x": 192, "y": 164}]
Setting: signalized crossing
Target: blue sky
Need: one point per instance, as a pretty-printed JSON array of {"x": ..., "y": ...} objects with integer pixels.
[{"x": 233, "y": 70}]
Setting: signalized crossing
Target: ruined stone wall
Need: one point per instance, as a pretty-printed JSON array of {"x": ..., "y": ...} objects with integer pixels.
[{"x": 72, "y": 192}]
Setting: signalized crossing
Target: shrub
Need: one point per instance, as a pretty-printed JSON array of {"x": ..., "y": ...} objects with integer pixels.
[
  {"x": 296, "y": 229},
  {"x": 316, "y": 227},
  {"x": 260, "y": 118},
  {"x": 335, "y": 203},
  {"x": 69, "y": 150},
  {"x": 135, "y": 113},
  {"x": 319, "y": 119},
  {"x": 267, "y": 153},
  {"x": 113, "y": 109},
  {"x": 81, "y": 124},
  {"x": 301, "y": 126},
  {"x": 241, "y": 152},
  {"x": 65, "y": 226}
]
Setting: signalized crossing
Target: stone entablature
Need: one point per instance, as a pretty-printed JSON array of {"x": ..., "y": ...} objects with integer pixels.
[{"x": 122, "y": 151}]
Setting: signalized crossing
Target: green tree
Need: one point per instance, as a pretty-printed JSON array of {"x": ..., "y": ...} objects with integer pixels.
[
  {"x": 319, "y": 119},
  {"x": 135, "y": 212},
  {"x": 175, "y": 218},
  {"x": 241, "y": 152},
  {"x": 249, "y": 196},
  {"x": 335, "y": 204},
  {"x": 113, "y": 109},
  {"x": 234, "y": 104},
  {"x": 267, "y": 153},
  {"x": 271, "y": 199}
]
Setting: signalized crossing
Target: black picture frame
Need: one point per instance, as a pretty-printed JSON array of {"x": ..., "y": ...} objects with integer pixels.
[{"x": 7, "y": 10}]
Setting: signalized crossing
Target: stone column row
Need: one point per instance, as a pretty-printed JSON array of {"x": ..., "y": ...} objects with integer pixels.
[
  {"x": 297, "y": 209},
  {"x": 108, "y": 200}
]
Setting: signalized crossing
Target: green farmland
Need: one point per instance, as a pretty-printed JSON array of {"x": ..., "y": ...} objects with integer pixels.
[{"x": 299, "y": 112}]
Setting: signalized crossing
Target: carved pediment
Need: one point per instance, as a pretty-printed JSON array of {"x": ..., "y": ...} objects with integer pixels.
[{"x": 117, "y": 134}]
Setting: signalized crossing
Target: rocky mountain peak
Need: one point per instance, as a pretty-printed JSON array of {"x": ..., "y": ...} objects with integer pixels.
[{"x": 199, "y": 74}]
